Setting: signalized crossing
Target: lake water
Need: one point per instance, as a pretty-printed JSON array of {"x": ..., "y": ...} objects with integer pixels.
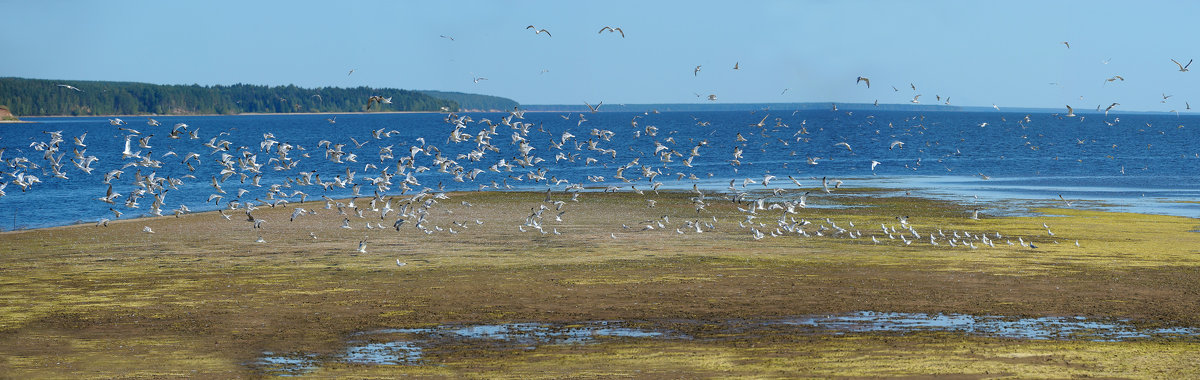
[{"x": 1137, "y": 162}]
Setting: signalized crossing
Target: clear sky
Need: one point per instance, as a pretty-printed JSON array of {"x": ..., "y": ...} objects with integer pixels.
[{"x": 1008, "y": 53}]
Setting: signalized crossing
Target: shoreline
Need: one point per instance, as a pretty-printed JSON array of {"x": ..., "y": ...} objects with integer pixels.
[
  {"x": 236, "y": 114},
  {"x": 224, "y": 298}
]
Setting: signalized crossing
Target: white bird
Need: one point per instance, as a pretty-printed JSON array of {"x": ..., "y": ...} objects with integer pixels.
[
  {"x": 399, "y": 263},
  {"x": 147, "y": 229},
  {"x": 362, "y": 246},
  {"x": 895, "y": 144},
  {"x": 539, "y": 31},
  {"x": 610, "y": 30},
  {"x": 874, "y": 164},
  {"x": 70, "y": 87},
  {"x": 1182, "y": 67},
  {"x": 1070, "y": 111}
]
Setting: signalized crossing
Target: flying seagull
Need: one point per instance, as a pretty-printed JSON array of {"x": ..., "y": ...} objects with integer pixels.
[
  {"x": 1070, "y": 111},
  {"x": 477, "y": 79},
  {"x": 696, "y": 71},
  {"x": 378, "y": 99},
  {"x": 863, "y": 79},
  {"x": 447, "y": 37},
  {"x": 736, "y": 66},
  {"x": 1067, "y": 43},
  {"x": 1110, "y": 107},
  {"x": 70, "y": 87},
  {"x": 594, "y": 109},
  {"x": 539, "y": 31},
  {"x": 610, "y": 30},
  {"x": 1182, "y": 67}
]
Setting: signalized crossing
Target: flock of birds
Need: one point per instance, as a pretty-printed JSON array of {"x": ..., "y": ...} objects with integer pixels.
[{"x": 388, "y": 192}]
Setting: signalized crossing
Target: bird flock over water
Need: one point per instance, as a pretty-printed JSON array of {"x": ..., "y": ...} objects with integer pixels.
[{"x": 385, "y": 172}]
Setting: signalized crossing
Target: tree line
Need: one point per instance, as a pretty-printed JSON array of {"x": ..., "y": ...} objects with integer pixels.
[{"x": 40, "y": 97}]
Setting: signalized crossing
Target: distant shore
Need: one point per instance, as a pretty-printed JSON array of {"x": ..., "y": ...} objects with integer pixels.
[{"x": 236, "y": 114}]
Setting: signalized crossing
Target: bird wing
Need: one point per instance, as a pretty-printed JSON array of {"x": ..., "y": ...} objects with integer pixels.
[
  {"x": 1178, "y": 64},
  {"x": 620, "y": 31}
]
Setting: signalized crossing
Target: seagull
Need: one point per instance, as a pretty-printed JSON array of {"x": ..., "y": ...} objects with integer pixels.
[
  {"x": 895, "y": 144},
  {"x": 147, "y": 229},
  {"x": 712, "y": 97},
  {"x": 1182, "y": 67},
  {"x": 735, "y": 66},
  {"x": 863, "y": 79},
  {"x": 696, "y": 71},
  {"x": 1067, "y": 43},
  {"x": 610, "y": 30},
  {"x": 70, "y": 87},
  {"x": 351, "y": 72},
  {"x": 845, "y": 144},
  {"x": 1070, "y": 111},
  {"x": 874, "y": 164},
  {"x": 477, "y": 79},
  {"x": 378, "y": 99},
  {"x": 539, "y": 31},
  {"x": 594, "y": 109},
  {"x": 447, "y": 37},
  {"x": 1111, "y": 107},
  {"x": 915, "y": 101},
  {"x": 399, "y": 263},
  {"x": 362, "y": 246}
]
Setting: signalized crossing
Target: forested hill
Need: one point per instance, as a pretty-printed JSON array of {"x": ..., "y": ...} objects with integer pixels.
[
  {"x": 475, "y": 102},
  {"x": 38, "y": 97}
]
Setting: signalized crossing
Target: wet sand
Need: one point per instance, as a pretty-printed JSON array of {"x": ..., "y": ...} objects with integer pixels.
[{"x": 200, "y": 298}]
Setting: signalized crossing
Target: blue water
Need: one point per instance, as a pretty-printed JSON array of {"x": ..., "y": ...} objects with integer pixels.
[
  {"x": 410, "y": 344},
  {"x": 1141, "y": 163}
]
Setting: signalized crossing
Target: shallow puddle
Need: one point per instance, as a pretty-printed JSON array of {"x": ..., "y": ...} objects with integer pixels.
[{"x": 408, "y": 346}]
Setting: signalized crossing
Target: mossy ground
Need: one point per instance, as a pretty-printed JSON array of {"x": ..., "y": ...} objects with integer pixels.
[{"x": 200, "y": 298}]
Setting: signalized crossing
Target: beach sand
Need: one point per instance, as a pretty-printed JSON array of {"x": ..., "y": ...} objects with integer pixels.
[{"x": 200, "y": 298}]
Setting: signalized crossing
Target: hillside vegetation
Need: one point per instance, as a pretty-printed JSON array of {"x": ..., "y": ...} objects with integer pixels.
[{"x": 38, "y": 97}]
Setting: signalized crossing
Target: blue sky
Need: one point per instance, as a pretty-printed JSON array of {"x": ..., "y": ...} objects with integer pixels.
[{"x": 1006, "y": 53}]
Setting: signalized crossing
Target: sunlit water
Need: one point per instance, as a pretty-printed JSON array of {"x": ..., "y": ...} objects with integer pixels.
[
  {"x": 407, "y": 346},
  {"x": 1143, "y": 163}
]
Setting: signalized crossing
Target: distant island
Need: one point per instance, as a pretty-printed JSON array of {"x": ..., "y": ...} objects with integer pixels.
[{"x": 40, "y": 97}]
